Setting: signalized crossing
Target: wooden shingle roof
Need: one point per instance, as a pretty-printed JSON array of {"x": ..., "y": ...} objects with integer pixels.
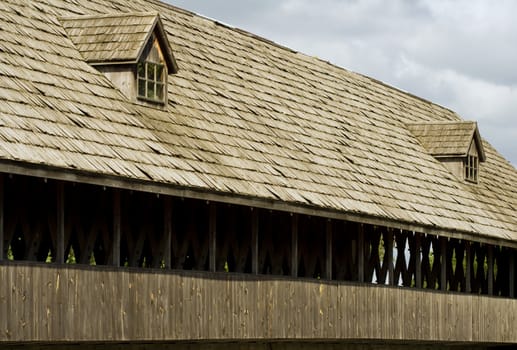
[
  {"x": 448, "y": 139},
  {"x": 247, "y": 122}
]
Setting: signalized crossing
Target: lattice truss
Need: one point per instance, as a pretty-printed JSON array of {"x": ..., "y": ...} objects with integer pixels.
[{"x": 285, "y": 244}]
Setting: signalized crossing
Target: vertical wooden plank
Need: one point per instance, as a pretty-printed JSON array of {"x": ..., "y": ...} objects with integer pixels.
[
  {"x": 167, "y": 230},
  {"x": 418, "y": 260},
  {"x": 294, "y": 245},
  {"x": 115, "y": 246},
  {"x": 2, "y": 217},
  {"x": 212, "y": 243},
  {"x": 60, "y": 227},
  {"x": 388, "y": 250},
  {"x": 328, "y": 257},
  {"x": 360, "y": 254},
  {"x": 443, "y": 265},
  {"x": 490, "y": 275},
  {"x": 511, "y": 270},
  {"x": 468, "y": 257},
  {"x": 254, "y": 240}
]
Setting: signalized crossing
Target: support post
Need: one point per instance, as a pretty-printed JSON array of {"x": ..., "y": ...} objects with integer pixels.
[
  {"x": 511, "y": 277},
  {"x": 115, "y": 245},
  {"x": 60, "y": 227},
  {"x": 443, "y": 265},
  {"x": 328, "y": 257},
  {"x": 167, "y": 231},
  {"x": 2, "y": 235},
  {"x": 294, "y": 245},
  {"x": 418, "y": 260},
  {"x": 360, "y": 253},
  {"x": 468, "y": 258},
  {"x": 389, "y": 253},
  {"x": 490, "y": 263},
  {"x": 212, "y": 243},
  {"x": 254, "y": 240}
]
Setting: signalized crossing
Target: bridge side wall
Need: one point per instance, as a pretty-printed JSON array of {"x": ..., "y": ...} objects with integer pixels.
[
  {"x": 246, "y": 346},
  {"x": 52, "y": 303}
]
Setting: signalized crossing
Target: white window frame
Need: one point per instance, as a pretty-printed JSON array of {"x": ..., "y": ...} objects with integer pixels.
[
  {"x": 472, "y": 168},
  {"x": 149, "y": 85}
]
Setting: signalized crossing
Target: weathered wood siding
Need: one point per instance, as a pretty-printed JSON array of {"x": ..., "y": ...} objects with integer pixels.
[
  {"x": 247, "y": 346},
  {"x": 41, "y": 303}
]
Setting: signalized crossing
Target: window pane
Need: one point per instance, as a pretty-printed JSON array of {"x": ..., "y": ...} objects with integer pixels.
[
  {"x": 141, "y": 70},
  {"x": 141, "y": 88},
  {"x": 159, "y": 91},
  {"x": 159, "y": 72},
  {"x": 150, "y": 71},
  {"x": 150, "y": 90}
]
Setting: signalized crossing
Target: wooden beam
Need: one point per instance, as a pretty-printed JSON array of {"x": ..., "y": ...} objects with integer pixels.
[
  {"x": 443, "y": 264},
  {"x": 212, "y": 236},
  {"x": 511, "y": 277},
  {"x": 388, "y": 250},
  {"x": 294, "y": 245},
  {"x": 115, "y": 245},
  {"x": 360, "y": 253},
  {"x": 2, "y": 235},
  {"x": 254, "y": 240},
  {"x": 468, "y": 258},
  {"x": 490, "y": 263},
  {"x": 418, "y": 260},
  {"x": 167, "y": 231},
  {"x": 328, "y": 257},
  {"x": 60, "y": 227}
]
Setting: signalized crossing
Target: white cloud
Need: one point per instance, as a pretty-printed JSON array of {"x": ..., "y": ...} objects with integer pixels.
[{"x": 473, "y": 37}]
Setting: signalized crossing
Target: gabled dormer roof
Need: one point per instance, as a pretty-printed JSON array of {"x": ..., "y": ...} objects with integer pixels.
[
  {"x": 118, "y": 38},
  {"x": 448, "y": 139}
]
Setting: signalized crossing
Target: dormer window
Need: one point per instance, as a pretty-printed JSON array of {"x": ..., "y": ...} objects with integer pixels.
[
  {"x": 471, "y": 168},
  {"x": 151, "y": 74},
  {"x": 471, "y": 164},
  {"x": 457, "y": 145},
  {"x": 131, "y": 49},
  {"x": 151, "y": 81}
]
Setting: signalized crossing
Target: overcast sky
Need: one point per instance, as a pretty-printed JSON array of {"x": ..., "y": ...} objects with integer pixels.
[{"x": 461, "y": 54}]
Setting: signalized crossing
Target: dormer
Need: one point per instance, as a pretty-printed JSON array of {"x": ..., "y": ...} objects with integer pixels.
[
  {"x": 131, "y": 49},
  {"x": 457, "y": 145}
]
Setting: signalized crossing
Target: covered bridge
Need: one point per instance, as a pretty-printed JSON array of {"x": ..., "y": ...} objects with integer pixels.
[{"x": 168, "y": 182}]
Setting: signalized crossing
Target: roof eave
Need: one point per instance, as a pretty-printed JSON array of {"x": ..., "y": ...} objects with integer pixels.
[
  {"x": 102, "y": 179},
  {"x": 448, "y": 155},
  {"x": 113, "y": 62}
]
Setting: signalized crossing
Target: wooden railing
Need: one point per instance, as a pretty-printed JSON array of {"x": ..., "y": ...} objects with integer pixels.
[{"x": 46, "y": 303}]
